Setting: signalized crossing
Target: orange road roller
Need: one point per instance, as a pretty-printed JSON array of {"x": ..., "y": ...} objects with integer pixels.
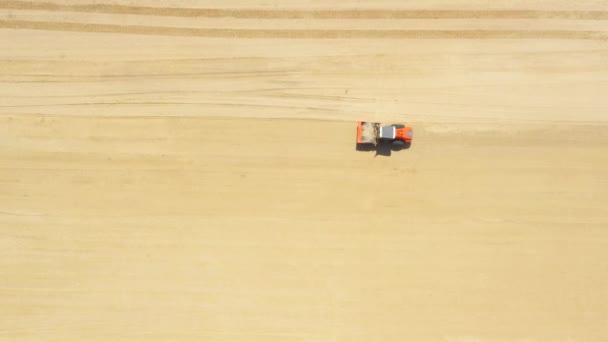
[{"x": 373, "y": 133}]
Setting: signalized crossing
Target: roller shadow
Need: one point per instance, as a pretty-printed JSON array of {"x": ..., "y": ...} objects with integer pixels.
[{"x": 384, "y": 148}]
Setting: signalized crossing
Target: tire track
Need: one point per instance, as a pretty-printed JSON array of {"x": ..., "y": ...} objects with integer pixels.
[
  {"x": 303, "y": 34},
  {"x": 303, "y": 14}
]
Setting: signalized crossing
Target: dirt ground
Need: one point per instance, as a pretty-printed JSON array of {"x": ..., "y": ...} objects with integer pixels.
[{"x": 190, "y": 173}]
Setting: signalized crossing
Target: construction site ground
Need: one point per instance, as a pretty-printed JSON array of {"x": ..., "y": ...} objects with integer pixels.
[{"x": 190, "y": 173}]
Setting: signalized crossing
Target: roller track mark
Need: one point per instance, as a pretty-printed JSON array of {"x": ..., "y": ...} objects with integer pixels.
[
  {"x": 301, "y": 13},
  {"x": 303, "y": 34}
]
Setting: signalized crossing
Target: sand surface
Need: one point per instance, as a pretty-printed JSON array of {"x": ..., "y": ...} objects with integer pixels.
[{"x": 190, "y": 173}]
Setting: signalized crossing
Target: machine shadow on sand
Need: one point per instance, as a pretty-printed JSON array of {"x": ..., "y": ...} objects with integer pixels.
[{"x": 383, "y": 148}]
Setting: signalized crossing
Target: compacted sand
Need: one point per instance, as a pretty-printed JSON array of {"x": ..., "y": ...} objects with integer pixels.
[{"x": 190, "y": 173}]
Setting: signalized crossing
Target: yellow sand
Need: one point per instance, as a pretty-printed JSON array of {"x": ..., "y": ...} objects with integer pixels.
[{"x": 191, "y": 175}]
